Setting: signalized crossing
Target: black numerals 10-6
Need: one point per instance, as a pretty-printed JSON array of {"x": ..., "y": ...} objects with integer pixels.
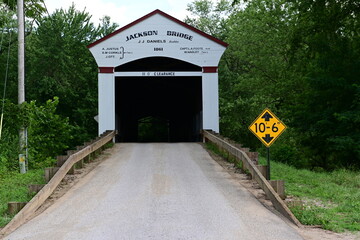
[{"x": 262, "y": 127}]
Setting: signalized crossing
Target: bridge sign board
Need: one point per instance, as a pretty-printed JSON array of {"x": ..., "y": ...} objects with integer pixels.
[{"x": 267, "y": 127}]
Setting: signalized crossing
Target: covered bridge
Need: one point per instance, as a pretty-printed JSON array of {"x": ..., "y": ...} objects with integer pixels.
[{"x": 158, "y": 80}]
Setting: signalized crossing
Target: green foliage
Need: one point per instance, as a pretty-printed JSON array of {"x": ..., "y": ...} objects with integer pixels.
[
  {"x": 106, "y": 27},
  {"x": 331, "y": 46},
  {"x": 153, "y": 129},
  {"x": 66, "y": 68},
  {"x": 14, "y": 187},
  {"x": 58, "y": 63},
  {"x": 301, "y": 60},
  {"x": 212, "y": 147},
  {"x": 254, "y": 72},
  {"x": 331, "y": 198},
  {"x": 9, "y": 150},
  {"x": 49, "y": 134},
  {"x": 32, "y": 8},
  {"x": 209, "y": 17}
]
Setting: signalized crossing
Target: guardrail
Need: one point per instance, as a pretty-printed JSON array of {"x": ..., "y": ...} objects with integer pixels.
[
  {"x": 247, "y": 164},
  {"x": 76, "y": 156}
]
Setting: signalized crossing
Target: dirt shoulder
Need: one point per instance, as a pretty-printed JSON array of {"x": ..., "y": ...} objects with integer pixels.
[
  {"x": 70, "y": 180},
  {"x": 307, "y": 232}
]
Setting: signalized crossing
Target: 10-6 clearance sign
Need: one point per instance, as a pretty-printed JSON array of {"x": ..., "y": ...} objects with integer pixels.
[{"x": 267, "y": 127}]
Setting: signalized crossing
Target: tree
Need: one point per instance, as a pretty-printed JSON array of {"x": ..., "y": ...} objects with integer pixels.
[
  {"x": 49, "y": 133},
  {"x": 33, "y": 11},
  {"x": 59, "y": 64},
  {"x": 301, "y": 58},
  {"x": 106, "y": 27},
  {"x": 327, "y": 116},
  {"x": 209, "y": 17},
  {"x": 255, "y": 71}
]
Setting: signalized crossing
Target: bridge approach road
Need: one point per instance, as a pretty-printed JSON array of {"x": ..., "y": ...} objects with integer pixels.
[{"x": 157, "y": 191}]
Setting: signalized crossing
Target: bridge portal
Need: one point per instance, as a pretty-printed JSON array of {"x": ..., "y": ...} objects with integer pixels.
[{"x": 158, "y": 80}]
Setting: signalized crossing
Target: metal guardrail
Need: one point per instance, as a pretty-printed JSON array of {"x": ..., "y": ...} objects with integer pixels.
[
  {"x": 49, "y": 188},
  {"x": 240, "y": 155}
]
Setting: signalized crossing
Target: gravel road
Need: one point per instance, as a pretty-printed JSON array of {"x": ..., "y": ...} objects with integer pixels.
[{"x": 157, "y": 191}]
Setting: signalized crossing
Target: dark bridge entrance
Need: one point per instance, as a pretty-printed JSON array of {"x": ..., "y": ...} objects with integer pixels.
[{"x": 158, "y": 109}]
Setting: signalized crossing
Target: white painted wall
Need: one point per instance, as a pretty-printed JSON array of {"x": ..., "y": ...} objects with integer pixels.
[
  {"x": 210, "y": 91},
  {"x": 106, "y": 102}
]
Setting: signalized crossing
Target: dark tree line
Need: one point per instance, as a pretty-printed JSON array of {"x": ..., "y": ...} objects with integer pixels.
[
  {"x": 61, "y": 81},
  {"x": 302, "y": 60}
]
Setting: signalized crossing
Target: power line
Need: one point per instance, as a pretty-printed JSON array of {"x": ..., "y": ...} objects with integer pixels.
[{"x": 6, "y": 74}]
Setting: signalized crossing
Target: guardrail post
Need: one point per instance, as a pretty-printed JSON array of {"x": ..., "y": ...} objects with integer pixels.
[
  {"x": 87, "y": 159},
  {"x": 72, "y": 169},
  {"x": 279, "y": 187},
  {"x": 79, "y": 164},
  {"x": 50, "y": 172},
  {"x": 263, "y": 170},
  {"x": 35, "y": 188},
  {"x": 61, "y": 160},
  {"x": 70, "y": 152},
  {"x": 254, "y": 156},
  {"x": 15, "y": 207}
]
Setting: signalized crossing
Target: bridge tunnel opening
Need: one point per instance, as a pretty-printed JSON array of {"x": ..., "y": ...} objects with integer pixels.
[{"x": 158, "y": 108}]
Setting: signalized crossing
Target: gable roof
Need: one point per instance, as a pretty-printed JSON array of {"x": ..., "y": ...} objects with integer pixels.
[{"x": 157, "y": 11}]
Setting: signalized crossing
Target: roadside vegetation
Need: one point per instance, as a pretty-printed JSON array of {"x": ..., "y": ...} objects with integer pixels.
[
  {"x": 61, "y": 92},
  {"x": 13, "y": 188},
  {"x": 326, "y": 199},
  {"x": 301, "y": 60}
]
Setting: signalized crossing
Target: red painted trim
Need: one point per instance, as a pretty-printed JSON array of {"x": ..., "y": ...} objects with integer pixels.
[
  {"x": 210, "y": 69},
  {"x": 106, "y": 70},
  {"x": 157, "y": 11}
]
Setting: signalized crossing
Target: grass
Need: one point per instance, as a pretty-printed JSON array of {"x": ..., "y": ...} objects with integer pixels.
[
  {"x": 14, "y": 188},
  {"x": 331, "y": 199}
]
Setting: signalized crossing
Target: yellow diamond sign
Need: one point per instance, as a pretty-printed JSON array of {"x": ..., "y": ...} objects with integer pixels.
[{"x": 267, "y": 127}]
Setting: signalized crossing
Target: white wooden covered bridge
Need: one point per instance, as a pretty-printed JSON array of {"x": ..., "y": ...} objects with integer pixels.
[{"x": 158, "y": 74}]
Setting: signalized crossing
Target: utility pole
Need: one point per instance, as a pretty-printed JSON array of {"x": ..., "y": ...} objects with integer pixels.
[{"x": 21, "y": 80}]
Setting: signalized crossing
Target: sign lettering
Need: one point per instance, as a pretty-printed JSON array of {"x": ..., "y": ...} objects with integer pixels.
[
  {"x": 267, "y": 127},
  {"x": 142, "y": 34}
]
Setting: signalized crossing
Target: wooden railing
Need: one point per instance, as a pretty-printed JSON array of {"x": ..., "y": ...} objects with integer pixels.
[
  {"x": 248, "y": 165},
  {"x": 75, "y": 157}
]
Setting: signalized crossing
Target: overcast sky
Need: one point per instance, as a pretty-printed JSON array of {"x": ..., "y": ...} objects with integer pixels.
[{"x": 123, "y": 12}]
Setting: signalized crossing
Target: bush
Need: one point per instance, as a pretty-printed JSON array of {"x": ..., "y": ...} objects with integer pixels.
[{"x": 49, "y": 134}]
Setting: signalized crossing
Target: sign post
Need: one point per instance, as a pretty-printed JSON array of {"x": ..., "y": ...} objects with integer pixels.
[{"x": 267, "y": 128}]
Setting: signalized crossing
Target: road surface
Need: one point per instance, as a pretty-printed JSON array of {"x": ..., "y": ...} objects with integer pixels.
[{"x": 157, "y": 191}]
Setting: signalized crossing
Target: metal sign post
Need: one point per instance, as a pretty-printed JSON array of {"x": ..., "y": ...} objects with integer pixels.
[
  {"x": 268, "y": 162},
  {"x": 267, "y": 128}
]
